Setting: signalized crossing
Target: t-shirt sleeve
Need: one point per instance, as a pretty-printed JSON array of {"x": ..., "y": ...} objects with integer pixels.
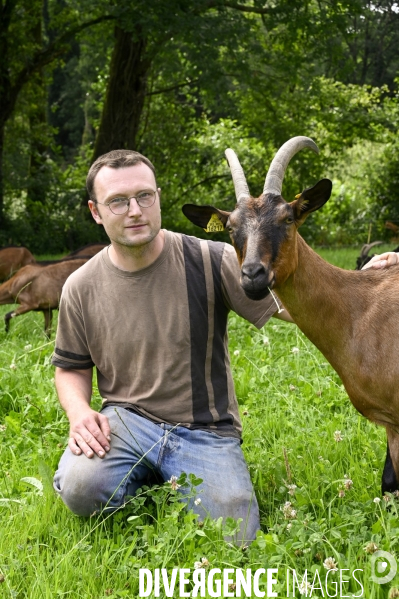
[
  {"x": 71, "y": 351},
  {"x": 256, "y": 312}
]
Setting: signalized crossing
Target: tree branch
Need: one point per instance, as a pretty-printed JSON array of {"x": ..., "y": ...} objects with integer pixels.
[
  {"x": 47, "y": 55},
  {"x": 241, "y": 7},
  {"x": 202, "y": 182},
  {"x": 172, "y": 87}
]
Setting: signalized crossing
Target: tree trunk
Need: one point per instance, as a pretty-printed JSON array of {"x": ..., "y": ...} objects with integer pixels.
[
  {"x": 37, "y": 180},
  {"x": 2, "y": 220},
  {"x": 125, "y": 94}
]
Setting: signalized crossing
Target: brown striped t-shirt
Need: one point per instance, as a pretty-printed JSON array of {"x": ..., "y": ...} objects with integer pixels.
[{"x": 158, "y": 336}]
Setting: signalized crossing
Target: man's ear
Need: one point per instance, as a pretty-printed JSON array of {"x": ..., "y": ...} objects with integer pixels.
[
  {"x": 311, "y": 199},
  {"x": 94, "y": 212},
  {"x": 207, "y": 217}
]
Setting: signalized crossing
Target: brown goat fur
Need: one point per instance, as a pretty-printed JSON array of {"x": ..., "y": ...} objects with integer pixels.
[
  {"x": 37, "y": 288},
  {"x": 352, "y": 317},
  {"x": 91, "y": 249},
  {"x": 12, "y": 259}
]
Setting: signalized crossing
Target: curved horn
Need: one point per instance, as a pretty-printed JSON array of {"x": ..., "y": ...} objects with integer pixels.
[
  {"x": 240, "y": 183},
  {"x": 367, "y": 247},
  {"x": 276, "y": 172}
]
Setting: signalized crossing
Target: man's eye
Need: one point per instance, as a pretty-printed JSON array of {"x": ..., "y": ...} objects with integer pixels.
[
  {"x": 145, "y": 195},
  {"x": 117, "y": 202}
]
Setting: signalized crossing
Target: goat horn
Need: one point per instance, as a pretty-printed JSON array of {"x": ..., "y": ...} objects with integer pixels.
[
  {"x": 239, "y": 180},
  {"x": 276, "y": 172},
  {"x": 367, "y": 247}
]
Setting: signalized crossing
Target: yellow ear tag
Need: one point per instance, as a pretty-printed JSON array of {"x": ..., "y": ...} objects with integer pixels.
[
  {"x": 298, "y": 195},
  {"x": 214, "y": 225}
]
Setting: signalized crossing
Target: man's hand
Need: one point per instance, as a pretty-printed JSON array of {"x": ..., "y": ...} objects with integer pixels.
[
  {"x": 89, "y": 433},
  {"x": 382, "y": 260}
]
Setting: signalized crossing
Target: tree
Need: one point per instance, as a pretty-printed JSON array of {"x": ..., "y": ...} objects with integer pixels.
[
  {"x": 24, "y": 54},
  {"x": 143, "y": 33}
]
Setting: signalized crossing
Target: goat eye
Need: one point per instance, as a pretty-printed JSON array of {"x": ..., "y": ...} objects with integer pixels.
[{"x": 289, "y": 220}]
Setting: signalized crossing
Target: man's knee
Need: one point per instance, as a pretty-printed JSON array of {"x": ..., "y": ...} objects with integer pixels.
[{"x": 83, "y": 485}]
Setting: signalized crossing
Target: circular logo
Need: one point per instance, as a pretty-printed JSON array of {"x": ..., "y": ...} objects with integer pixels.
[{"x": 383, "y": 567}]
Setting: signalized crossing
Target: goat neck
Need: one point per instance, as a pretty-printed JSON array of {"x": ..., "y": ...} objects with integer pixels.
[{"x": 347, "y": 315}]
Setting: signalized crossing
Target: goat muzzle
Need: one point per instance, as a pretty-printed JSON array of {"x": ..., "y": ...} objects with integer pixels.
[{"x": 256, "y": 280}]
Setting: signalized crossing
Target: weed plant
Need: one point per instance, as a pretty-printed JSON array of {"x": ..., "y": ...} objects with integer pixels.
[{"x": 315, "y": 462}]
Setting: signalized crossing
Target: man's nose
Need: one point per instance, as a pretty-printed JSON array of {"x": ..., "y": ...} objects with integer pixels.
[{"x": 134, "y": 208}]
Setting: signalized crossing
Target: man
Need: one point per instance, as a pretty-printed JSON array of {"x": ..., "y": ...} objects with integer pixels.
[{"x": 150, "y": 312}]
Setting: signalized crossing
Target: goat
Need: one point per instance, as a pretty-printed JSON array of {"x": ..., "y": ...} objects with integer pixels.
[
  {"x": 91, "y": 249},
  {"x": 12, "y": 258},
  {"x": 351, "y": 317},
  {"x": 364, "y": 257},
  {"x": 86, "y": 251},
  {"x": 37, "y": 288}
]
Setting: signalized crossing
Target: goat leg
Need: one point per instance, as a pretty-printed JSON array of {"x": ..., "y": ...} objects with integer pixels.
[
  {"x": 7, "y": 319},
  {"x": 20, "y": 310},
  {"x": 48, "y": 319},
  {"x": 389, "y": 475}
]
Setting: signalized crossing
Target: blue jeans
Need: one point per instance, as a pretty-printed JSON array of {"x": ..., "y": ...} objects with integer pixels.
[{"x": 90, "y": 485}]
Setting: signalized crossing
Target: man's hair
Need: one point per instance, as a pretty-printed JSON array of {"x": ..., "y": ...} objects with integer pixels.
[{"x": 114, "y": 159}]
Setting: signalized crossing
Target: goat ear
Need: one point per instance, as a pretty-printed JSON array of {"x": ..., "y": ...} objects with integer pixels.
[
  {"x": 311, "y": 199},
  {"x": 207, "y": 217}
]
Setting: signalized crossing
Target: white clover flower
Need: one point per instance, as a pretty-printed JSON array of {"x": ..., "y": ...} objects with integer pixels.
[
  {"x": 371, "y": 547},
  {"x": 295, "y": 350},
  {"x": 291, "y": 489},
  {"x": 338, "y": 436},
  {"x": 204, "y": 563},
  {"x": 376, "y": 499},
  {"x": 288, "y": 511},
  {"x": 305, "y": 587},
  {"x": 237, "y": 352},
  {"x": 173, "y": 483},
  {"x": 3, "y": 427},
  {"x": 28, "y": 346},
  {"x": 330, "y": 564},
  {"x": 197, "y": 501},
  {"x": 265, "y": 340},
  {"x": 348, "y": 484},
  {"x": 275, "y": 327},
  {"x": 292, "y": 387},
  {"x": 341, "y": 493},
  {"x": 289, "y": 525},
  {"x": 13, "y": 366}
]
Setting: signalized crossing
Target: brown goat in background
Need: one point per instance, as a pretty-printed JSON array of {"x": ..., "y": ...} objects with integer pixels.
[
  {"x": 37, "y": 288},
  {"x": 12, "y": 258}
]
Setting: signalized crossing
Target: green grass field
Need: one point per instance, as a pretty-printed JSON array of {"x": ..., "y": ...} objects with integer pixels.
[{"x": 304, "y": 443}]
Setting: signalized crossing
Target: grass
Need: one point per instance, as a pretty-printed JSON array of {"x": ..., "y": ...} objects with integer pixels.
[{"x": 293, "y": 405}]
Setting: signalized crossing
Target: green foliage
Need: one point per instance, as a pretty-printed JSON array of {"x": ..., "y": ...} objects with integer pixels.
[{"x": 213, "y": 76}]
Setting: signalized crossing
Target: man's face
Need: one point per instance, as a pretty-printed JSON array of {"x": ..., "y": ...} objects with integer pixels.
[{"x": 139, "y": 226}]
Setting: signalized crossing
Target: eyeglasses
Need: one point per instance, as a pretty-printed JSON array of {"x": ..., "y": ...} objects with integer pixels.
[{"x": 145, "y": 199}]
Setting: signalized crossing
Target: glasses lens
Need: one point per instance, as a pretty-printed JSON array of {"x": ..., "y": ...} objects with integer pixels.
[
  {"x": 145, "y": 199},
  {"x": 118, "y": 205}
]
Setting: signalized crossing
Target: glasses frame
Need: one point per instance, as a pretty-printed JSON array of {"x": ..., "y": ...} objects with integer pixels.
[{"x": 108, "y": 205}]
